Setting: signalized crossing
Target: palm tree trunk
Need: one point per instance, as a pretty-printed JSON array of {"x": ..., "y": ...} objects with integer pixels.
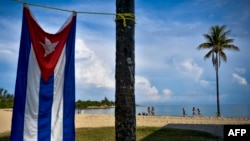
[
  {"x": 125, "y": 121},
  {"x": 217, "y": 85}
]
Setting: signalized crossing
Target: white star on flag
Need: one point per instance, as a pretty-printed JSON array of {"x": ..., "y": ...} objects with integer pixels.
[{"x": 48, "y": 46}]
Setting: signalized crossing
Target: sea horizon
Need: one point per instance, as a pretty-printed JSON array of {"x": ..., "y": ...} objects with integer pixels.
[{"x": 227, "y": 110}]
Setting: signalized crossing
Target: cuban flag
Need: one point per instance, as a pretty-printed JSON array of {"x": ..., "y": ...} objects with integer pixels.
[{"x": 44, "y": 99}]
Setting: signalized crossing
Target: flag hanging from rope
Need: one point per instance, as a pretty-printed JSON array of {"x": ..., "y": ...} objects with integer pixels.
[{"x": 44, "y": 100}]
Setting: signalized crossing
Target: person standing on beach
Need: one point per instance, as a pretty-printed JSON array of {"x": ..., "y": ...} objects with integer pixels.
[
  {"x": 194, "y": 111},
  {"x": 183, "y": 112},
  {"x": 149, "y": 111},
  {"x": 199, "y": 112},
  {"x": 152, "y": 111}
]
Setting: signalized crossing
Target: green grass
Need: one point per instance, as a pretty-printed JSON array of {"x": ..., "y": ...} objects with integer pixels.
[
  {"x": 142, "y": 134},
  {"x": 5, "y": 136}
]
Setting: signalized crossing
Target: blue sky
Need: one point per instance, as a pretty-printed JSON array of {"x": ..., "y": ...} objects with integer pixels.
[{"x": 169, "y": 69}]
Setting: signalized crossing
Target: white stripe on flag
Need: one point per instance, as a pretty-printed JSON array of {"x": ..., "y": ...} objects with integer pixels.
[
  {"x": 57, "y": 106},
  {"x": 32, "y": 98}
]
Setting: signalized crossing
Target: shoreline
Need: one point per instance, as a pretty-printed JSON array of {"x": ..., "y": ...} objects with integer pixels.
[
  {"x": 97, "y": 107},
  {"x": 213, "y": 125}
]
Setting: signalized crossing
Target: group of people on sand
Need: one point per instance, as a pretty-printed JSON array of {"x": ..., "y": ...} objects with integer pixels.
[
  {"x": 193, "y": 112},
  {"x": 151, "y": 112}
]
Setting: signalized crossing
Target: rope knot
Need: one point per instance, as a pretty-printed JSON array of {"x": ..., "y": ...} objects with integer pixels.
[{"x": 125, "y": 17}]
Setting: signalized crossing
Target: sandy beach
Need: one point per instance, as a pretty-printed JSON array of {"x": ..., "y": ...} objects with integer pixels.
[{"x": 209, "y": 124}]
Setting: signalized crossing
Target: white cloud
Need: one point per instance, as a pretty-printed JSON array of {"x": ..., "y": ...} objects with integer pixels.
[
  {"x": 189, "y": 69},
  {"x": 167, "y": 92},
  {"x": 205, "y": 83},
  {"x": 239, "y": 79},
  {"x": 145, "y": 90},
  {"x": 90, "y": 70}
]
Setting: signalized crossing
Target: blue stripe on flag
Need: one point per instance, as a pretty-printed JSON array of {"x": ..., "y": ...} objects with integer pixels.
[
  {"x": 69, "y": 87},
  {"x": 17, "y": 127},
  {"x": 45, "y": 104}
]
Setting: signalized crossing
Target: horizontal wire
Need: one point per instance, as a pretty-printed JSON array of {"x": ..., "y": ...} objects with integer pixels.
[
  {"x": 66, "y": 10},
  {"x": 119, "y": 16}
]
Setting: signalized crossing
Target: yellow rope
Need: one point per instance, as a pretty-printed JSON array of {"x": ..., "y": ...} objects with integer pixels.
[{"x": 125, "y": 17}]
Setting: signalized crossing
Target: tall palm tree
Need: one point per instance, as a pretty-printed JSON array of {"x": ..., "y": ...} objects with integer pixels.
[{"x": 217, "y": 42}]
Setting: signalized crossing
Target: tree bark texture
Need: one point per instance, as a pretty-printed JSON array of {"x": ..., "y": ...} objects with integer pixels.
[
  {"x": 125, "y": 121},
  {"x": 217, "y": 86}
]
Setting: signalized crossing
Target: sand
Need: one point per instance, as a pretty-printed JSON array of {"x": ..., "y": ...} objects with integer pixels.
[
  {"x": 209, "y": 124},
  {"x": 5, "y": 120}
]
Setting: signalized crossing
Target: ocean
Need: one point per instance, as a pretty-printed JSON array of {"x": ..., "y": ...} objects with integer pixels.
[{"x": 234, "y": 110}]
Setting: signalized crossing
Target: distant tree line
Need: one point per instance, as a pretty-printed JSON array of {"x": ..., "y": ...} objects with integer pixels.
[
  {"x": 94, "y": 104},
  {"x": 6, "y": 99}
]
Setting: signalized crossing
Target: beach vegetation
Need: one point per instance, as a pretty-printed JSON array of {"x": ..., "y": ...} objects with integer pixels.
[
  {"x": 6, "y": 99},
  {"x": 83, "y": 104}
]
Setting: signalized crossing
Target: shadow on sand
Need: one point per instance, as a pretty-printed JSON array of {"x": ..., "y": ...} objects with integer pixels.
[{"x": 197, "y": 132}]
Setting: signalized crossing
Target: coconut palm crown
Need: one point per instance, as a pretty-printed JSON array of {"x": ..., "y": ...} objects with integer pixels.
[{"x": 217, "y": 42}]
